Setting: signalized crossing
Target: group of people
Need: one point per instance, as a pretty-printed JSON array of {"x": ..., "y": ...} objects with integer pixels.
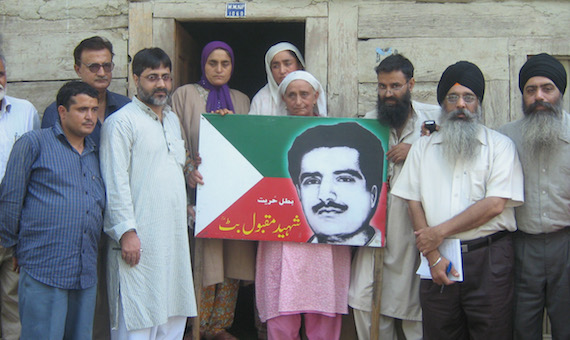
[{"x": 129, "y": 168}]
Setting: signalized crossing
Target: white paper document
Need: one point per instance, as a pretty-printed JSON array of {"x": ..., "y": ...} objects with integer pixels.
[{"x": 451, "y": 250}]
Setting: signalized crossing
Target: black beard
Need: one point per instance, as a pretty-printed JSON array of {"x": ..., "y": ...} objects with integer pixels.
[{"x": 396, "y": 115}]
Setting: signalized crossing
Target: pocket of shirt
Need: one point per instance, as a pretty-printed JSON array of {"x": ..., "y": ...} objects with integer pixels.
[{"x": 478, "y": 184}]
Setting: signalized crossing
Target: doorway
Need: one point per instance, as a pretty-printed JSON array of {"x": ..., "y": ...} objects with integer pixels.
[{"x": 249, "y": 41}]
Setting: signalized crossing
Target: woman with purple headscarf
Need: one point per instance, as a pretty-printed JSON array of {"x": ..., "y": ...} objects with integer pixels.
[{"x": 225, "y": 262}]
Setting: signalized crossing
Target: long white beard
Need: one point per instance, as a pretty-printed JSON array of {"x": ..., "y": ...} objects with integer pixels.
[
  {"x": 459, "y": 136},
  {"x": 541, "y": 129}
]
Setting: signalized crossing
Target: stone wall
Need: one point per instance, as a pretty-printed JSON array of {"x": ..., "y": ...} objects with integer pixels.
[
  {"x": 344, "y": 41},
  {"x": 38, "y": 38}
]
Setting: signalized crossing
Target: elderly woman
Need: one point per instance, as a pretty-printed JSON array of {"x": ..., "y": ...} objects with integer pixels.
[
  {"x": 280, "y": 60},
  {"x": 224, "y": 262},
  {"x": 299, "y": 279}
]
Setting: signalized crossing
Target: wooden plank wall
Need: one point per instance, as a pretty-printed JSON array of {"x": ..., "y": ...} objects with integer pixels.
[
  {"x": 434, "y": 35},
  {"x": 38, "y": 38}
]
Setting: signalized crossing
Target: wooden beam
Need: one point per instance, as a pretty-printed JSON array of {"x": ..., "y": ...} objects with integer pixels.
[
  {"x": 260, "y": 11},
  {"x": 316, "y": 48},
  {"x": 342, "y": 92},
  {"x": 377, "y": 293},
  {"x": 140, "y": 34}
]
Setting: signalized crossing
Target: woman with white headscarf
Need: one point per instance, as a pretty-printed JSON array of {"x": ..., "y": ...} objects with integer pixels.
[
  {"x": 280, "y": 60},
  {"x": 293, "y": 103},
  {"x": 295, "y": 280}
]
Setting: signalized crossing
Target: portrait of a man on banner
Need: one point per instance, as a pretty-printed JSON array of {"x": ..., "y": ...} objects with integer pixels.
[{"x": 316, "y": 180}]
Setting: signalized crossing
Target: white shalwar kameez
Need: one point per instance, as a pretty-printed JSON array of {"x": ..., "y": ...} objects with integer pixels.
[
  {"x": 141, "y": 163},
  {"x": 400, "y": 284}
]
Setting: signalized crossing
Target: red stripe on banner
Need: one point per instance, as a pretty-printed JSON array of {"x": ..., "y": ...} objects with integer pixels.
[{"x": 269, "y": 211}]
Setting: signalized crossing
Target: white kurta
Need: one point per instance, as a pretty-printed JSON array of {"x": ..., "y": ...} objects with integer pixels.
[
  {"x": 141, "y": 163},
  {"x": 264, "y": 105},
  {"x": 400, "y": 284}
]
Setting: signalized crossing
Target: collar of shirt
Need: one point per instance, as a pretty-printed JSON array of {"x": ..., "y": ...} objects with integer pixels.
[
  {"x": 5, "y": 106},
  {"x": 148, "y": 110},
  {"x": 89, "y": 143}
]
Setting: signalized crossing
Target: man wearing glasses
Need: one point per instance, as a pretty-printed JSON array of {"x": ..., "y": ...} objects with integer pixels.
[
  {"x": 94, "y": 65},
  {"x": 463, "y": 182},
  {"x": 142, "y": 157},
  {"x": 400, "y": 309}
]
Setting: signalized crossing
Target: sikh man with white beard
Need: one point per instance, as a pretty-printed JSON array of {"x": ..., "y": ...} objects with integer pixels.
[
  {"x": 463, "y": 182},
  {"x": 542, "y": 251}
]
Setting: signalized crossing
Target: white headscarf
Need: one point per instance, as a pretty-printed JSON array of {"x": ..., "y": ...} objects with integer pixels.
[
  {"x": 271, "y": 52},
  {"x": 309, "y": 78}
]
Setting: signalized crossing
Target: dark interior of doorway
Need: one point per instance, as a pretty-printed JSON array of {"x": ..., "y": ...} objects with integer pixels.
[{"x": 250, "y": 41}]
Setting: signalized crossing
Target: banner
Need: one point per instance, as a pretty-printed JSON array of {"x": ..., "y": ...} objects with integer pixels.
[{"x": 296, "y": 179}]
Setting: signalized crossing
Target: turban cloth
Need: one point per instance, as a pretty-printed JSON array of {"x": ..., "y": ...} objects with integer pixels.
[
  {"x": 543, "y": 65},
  {"x": 462, "y": 73}
]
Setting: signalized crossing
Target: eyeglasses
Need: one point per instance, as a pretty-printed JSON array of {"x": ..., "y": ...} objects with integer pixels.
[
  {"x": 94, "y": 67},
  {"x": 467, "y": 98},
  {"x": 153, "y": 78},
  {"x": 393, "y": 87}
]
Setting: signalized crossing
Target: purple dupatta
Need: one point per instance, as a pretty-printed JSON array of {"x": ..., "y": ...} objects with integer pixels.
[{"x": 219, "y": 96}]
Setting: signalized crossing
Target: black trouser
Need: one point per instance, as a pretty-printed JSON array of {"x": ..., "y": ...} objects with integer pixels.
[{"x": 480, "y": 307}]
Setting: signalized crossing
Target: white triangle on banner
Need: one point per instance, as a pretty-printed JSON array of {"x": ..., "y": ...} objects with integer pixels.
[{"x": 227, "y": 174}]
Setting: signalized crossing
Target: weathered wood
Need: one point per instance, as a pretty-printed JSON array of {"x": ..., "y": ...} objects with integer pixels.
[
  {"x": 431, "y": 56},
  {"x": 140, "y": 33},
  {"x": 377, "y": 293},
  {"x": 316, "y": 49},
  {"x": 187, "y": 53},
  {"x": 290, "y": 10},
  {"x": 57, "y": 10},
  {"x": 36, "y": 58},
  {"x": 164, "y": 36},
  {"x": 342, "y": 95},
  {"x": 496, "y": 110},
  {"x": 399, "y": 19},
  {"x": 198, "y": 272},
  {"x": 24, "y": 27}
]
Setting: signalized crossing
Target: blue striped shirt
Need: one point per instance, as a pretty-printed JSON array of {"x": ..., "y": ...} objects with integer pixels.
[{"x": 51, "y": 208}]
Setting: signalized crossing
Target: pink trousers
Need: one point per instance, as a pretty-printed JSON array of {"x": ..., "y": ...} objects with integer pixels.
[{"x": 317, "y": 327}]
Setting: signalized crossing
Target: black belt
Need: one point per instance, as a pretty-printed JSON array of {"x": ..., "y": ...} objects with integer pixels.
[{"x": 467, "y": 246}]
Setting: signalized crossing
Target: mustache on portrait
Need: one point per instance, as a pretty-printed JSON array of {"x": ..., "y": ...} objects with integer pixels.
[{"x": 329, "y": 204}]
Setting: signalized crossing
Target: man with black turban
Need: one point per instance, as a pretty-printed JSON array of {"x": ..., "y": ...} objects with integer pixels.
[
  {"x": 542, "y": 251},
  {"x": 463, "y": 182}
]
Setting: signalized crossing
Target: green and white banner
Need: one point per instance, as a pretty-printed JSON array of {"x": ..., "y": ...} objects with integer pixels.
[{"x": 298, "y": 179}]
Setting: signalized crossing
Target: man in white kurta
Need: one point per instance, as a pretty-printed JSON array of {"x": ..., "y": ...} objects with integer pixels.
[
  {"x": 400, "y": 284},
  {"x": 142, "y": 158}
]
